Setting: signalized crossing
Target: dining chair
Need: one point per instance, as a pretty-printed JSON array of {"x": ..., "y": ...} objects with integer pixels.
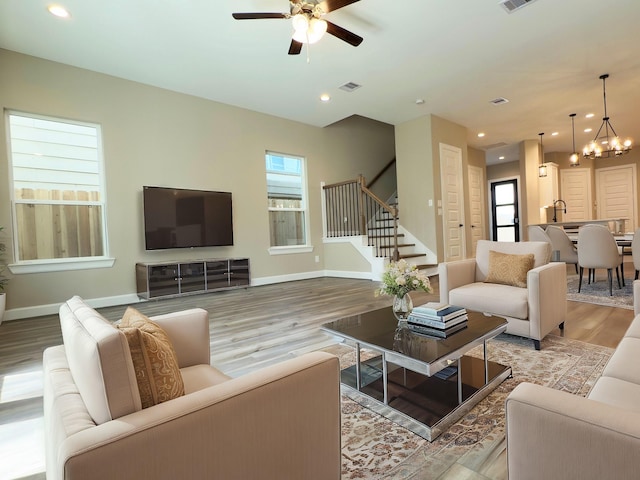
[
  {"x": 597, "y": 248},
  {"x": 537, "y": 234},
  {"x": 635, "y": 251},
  {"x": 560, "y": 242}
]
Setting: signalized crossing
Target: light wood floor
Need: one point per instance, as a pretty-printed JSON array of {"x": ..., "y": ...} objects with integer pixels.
[{"x": 250, "y": 328}]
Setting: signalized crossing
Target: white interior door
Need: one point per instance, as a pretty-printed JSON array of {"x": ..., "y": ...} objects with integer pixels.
[
  {"x": 452, "y": 202},
  {"x": 616, "y": 194},
  {"x": 477, "y": 206},
  {"x": 575, "y": 186}
]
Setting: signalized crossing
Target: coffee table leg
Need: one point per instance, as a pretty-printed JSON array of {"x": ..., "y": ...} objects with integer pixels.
[
  {"x": 358, "y": 373},
  {"x": 384, "y": 379},
  {"x": 486, "y": 363},
  {"x": 460, "y": 381}
]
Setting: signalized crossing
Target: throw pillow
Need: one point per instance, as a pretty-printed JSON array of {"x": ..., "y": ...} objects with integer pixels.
[
  {"x": 154, "y": 359},
  {"x": 509, "y": 269}
]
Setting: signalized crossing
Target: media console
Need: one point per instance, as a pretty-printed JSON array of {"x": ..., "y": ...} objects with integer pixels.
[{"x": 168, "y": 279}]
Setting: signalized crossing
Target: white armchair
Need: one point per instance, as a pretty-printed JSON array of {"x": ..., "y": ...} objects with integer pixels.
[{"x": 532, "y": 311}]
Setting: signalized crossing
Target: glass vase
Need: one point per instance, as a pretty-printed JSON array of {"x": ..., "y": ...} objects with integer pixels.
[{"x": 402, "y": 306}]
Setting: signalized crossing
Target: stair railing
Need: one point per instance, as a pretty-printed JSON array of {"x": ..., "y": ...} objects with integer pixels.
[{"x": 352, "y": 210}]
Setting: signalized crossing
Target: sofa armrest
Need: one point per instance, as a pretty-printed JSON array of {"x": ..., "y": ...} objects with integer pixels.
[
  {"x": 189, "y": 334},
  {"x": 282, "y": 421},
  {"x": 455, "y": 274},
  {"x": 547, "y": 292},
  {"x": 557, "y": 435},
  {"x": 636, "y": 297}
]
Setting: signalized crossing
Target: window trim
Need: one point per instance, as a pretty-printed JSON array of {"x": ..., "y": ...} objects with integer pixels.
[
  {"x": 57, "y": 264},
  {"x": 307, "y": 247},
  {"x": 60, "y": 265}
]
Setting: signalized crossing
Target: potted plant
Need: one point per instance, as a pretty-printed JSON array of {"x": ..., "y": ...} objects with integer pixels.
[
  {"x": 398, "y": 280},
  {"x": 3, "y": 280}
]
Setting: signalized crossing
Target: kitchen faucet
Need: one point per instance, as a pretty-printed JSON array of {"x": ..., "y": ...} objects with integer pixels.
[{"x": 555, "y": 219}]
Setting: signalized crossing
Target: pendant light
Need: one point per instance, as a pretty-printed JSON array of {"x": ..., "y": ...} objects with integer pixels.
[
  {"x": 574, "y": 159},
  {"x": 542, "y": 168}
]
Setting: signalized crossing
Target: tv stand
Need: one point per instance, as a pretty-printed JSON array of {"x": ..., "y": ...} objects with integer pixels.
[{"x": 173, "y": 278}]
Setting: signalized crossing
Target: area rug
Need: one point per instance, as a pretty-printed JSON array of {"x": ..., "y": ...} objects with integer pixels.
[
  {"x": 598, "y": 292},
  {"x": 376, "y": 448}
]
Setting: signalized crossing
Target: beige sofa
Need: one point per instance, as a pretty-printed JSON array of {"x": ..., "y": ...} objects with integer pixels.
[
  {"x": 532, "y": 311},
  {"x": 556, "y": 435},
  {"x": 282, "y": 422}
]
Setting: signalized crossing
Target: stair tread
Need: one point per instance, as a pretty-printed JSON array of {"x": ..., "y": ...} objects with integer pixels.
[{"x": 399, "y": 245}]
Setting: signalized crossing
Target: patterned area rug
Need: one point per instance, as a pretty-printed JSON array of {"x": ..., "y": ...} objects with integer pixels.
[
  {"x": 598, "y": 292},
  {"x": 376, "y": 448}
]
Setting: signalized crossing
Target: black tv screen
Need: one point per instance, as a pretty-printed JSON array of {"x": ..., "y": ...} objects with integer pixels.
[{"x": 181, "y": 218}]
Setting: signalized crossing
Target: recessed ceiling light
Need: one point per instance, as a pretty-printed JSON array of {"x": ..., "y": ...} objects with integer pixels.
[
  {"x": 587, "y": 130},
  {"x": 481, "y": 134},
  {"x": 554, "y": 134},
  {"x": 589, "y": 115},
  {"x": 325, "y": 97},
  {"x": 419, "y": 101},
  {"x": 58, "y": 11},
  {"x": 501, "y": 158}
]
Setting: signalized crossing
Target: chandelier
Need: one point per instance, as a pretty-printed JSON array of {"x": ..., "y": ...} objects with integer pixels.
[{"x": 606, "y": 145}]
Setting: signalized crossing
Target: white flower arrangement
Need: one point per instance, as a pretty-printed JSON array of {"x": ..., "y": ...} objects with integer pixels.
[{"x": 400, "y": 278}]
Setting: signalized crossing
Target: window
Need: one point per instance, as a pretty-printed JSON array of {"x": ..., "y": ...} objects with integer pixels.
[
  {"x": 287, "y": 196},
  {"x": 57, "y": 189}
]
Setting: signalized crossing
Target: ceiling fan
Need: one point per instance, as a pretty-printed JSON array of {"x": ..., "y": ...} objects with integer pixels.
[{"x": 308, "y": 24}]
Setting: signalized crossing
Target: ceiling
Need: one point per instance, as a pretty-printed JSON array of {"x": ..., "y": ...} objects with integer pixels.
[{"x": 456, "y": 55}]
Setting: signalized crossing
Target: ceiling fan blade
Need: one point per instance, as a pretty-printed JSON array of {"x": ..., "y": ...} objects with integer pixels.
[
  {"x": 253, "y": 16},
  {"x": 344, "y": 34},
  {"x": 331, "y": 5},
  {"x": 295, "y": 48}
]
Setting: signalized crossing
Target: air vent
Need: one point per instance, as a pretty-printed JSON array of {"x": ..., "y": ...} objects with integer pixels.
[
  {"x": 499, "y": 101},
  {"x": 350, "y": 87},
  {"x": 512, "y": 5},
  {"x": 494, "y": 145}
]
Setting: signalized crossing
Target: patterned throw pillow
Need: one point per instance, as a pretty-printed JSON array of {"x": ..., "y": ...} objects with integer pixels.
[
  {"x": 154, "y": 359},
  {"x": 509, "y": 269}
]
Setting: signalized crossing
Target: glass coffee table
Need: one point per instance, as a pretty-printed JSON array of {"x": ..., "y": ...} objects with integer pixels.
[{"x": 420, "y": 382}]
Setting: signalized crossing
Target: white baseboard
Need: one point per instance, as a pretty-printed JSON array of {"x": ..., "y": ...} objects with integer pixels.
[
  {"x": 52, "y": 308},
  {"x": 342, "y": 274},
  {"x": 255, "y": 282}
]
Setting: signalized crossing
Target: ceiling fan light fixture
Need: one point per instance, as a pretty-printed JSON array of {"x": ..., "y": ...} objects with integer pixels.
[
  {"x": 300, "y": 23},
  {"x": 308, "y": 31}
]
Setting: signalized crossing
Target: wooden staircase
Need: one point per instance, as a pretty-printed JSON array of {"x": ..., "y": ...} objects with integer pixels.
[
  {"x": 352, "y": 210},
  {"x": 380, "y": 235}
]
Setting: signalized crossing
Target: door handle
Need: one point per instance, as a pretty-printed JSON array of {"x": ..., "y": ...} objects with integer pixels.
[{"x": 460, "y": 225}]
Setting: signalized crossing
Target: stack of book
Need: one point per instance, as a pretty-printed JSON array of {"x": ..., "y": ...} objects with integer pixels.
[{"x": 437, "y": 319}]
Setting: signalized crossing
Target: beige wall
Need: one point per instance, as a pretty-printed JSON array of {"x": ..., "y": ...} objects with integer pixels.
[
  {"x": 418, "y": 170},
  {"x": 344, "y": 257},
  {"x": 153, "y": 136},
  {"x": 503, "y": 170},
  {"x": 415, "y": 177}
]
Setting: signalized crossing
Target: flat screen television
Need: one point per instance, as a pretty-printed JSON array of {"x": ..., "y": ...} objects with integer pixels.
[{"x": 181, "y": 218}]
